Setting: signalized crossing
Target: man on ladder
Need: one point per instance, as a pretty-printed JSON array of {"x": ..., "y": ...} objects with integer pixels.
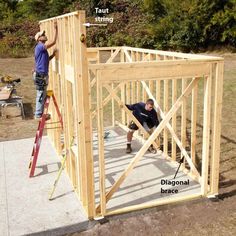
[
  {"x": 40, "y": 74},
  {"x": 40, "y": 77}
]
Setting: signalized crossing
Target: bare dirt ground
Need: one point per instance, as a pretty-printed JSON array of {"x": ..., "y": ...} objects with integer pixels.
[
  {"x": 202, "y": 217},
  {"x": 15, "y": 127}
]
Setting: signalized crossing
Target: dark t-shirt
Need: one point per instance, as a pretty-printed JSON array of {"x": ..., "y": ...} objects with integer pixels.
[
  {"x": 142, "y": 115},
  {"x": 41, "y": 58}
]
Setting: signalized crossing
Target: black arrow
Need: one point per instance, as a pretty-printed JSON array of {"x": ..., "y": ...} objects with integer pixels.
[{"x": 180, "y": 162}]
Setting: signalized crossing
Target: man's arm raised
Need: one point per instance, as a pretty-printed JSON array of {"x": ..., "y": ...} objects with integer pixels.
[{"x": 50, "y": 44}]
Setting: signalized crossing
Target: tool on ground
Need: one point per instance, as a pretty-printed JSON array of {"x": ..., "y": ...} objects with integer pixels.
[
  {"x": 63, "y": 162},
  {"x": 9, "y": 80},
  {"x": 39, "y": 133},
  {"x": 106, "y": 134},
  {"x": 180, "y": 162},
  {"x": 8, "y": 94}
]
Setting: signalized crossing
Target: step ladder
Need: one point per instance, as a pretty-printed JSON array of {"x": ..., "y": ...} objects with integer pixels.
[{"x": 39, "y": 133}]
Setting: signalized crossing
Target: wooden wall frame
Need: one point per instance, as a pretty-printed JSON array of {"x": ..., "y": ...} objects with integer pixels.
[{"x": 131, "y": 75}]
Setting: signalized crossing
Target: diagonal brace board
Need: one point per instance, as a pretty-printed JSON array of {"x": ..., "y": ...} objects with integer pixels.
[
  {"x": 178, "y": 142},
  {"x": 92, "y": 82},
  {"x": 127, "y": 55},
  {"x": 152, "y": 137},
  {"x": 113, "y": 55},
  {"x": 106, "y": 100}
]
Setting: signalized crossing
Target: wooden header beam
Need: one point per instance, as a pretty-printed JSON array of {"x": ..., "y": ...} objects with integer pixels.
[
  {"x": 175, "y": 54},
  {"x": 152, "y": 71},
  {"x": 61, "y": 16}
]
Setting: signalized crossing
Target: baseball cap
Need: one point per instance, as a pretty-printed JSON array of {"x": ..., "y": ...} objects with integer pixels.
[{"x": 39, "y": 34}]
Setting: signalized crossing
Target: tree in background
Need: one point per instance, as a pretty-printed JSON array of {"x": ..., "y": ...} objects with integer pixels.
[
  {"x": 221, "y": 27},
  {"x": 6, "y": 13},
  {"x": 192, "y": 24},
  {"x": 33, "y": 9},
  {"x": 16, "y": 30},
  {"x": 188, "y": 25},
  {"x": 129, "y": 26},
  {"x": 58, "y": 7}
]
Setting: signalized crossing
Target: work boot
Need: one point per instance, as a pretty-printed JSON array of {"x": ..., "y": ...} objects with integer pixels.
[
  {"x": 128, "y": 149},
  {"x": 37, "y": 118},
  {"x": 152, "y": 149},
  {"x": 47, "y": 117}
]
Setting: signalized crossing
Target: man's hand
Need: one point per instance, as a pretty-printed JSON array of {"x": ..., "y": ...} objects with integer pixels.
[
  {"x": 54, "y": 53},
  {"x": 55, "y": 50},
  {"x": 50, "y": 44}
]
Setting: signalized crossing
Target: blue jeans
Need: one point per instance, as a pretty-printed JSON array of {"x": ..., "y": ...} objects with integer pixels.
[{"x": 40, "y": 98}]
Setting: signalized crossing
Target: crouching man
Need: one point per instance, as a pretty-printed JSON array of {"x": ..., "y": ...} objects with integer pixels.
[{"x": 147, "y": 117}]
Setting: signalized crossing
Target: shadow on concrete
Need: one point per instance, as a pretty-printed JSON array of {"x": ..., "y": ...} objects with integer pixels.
[
  {"x": 68, "y": 229},
  {"x": 150, "y": 197},
  {"x": 45, "y": 169},
  {"x": 62, "y": 195}
]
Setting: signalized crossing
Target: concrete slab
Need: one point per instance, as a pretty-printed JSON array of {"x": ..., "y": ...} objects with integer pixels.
[
  {"x": 3, "y": 195},
  {"x": 143, "y": 184},
  {"x": 24, "y": 205}
]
